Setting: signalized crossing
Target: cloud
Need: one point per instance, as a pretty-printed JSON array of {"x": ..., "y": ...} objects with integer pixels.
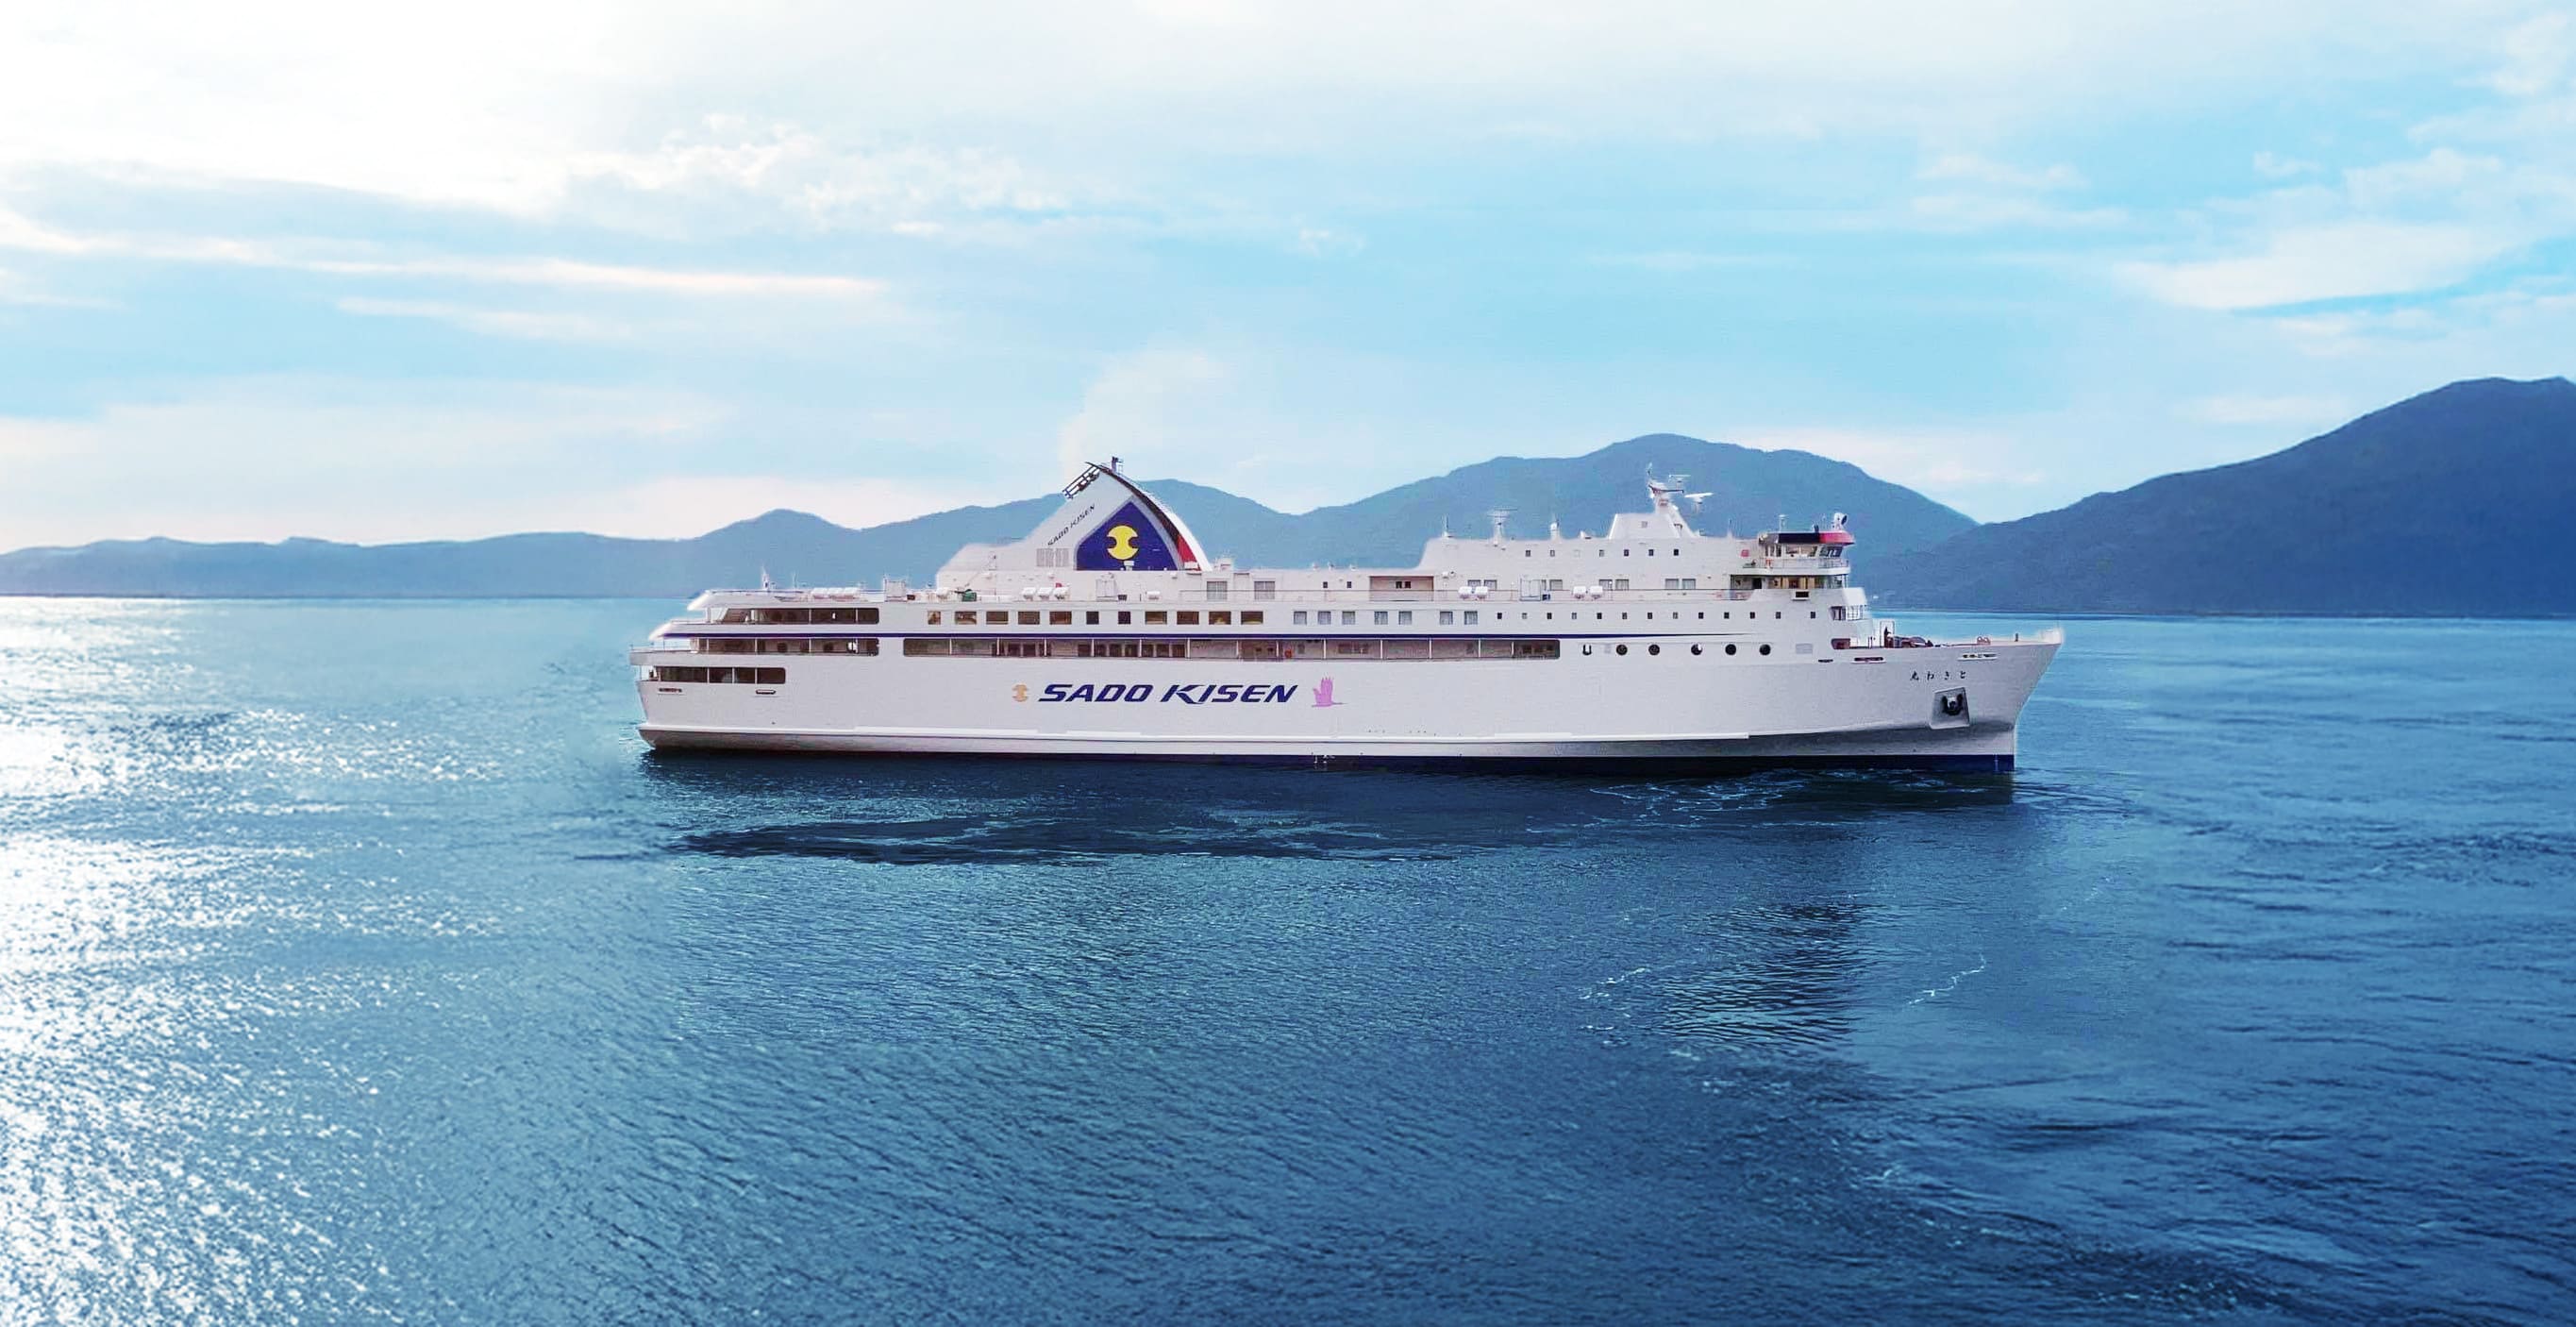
[
  {"x": 801, "y": 176},
  {"x": 1921, "y": 458},
  {"x": 2337, "y": 261},
  {"x": 870, "y": 113},
  {"x": 1166, "y": 400},
  {"x": 22, "y": 233},
  {"x": 2273, "y": 166},
  {"x": 2253, "y": 409},
  {"x": 1971, "y": 168},
  {"x": 515, "y": 324},
  {"x": 251, "y": 459},
  {"x": 2536, "y": 55}
]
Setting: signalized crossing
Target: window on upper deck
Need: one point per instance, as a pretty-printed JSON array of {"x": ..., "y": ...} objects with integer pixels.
[
  {"x": 1188, "y": 617},
  {"x": 1252, "y": 617},
  {"x": 1155, "y": 617},
  {"x": 1062, "y": 617},
  {"x": 1028, "y": 617},
  {"x": 1297, "y": 618}
]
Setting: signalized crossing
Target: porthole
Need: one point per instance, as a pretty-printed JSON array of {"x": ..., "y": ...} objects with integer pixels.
[
  {"x": 1730, "y": 649},
  {"x": 1654, "y": 649},
  {"x": 1766, "y": 649},
  {"x": 1623, "y": 649},
  {"x": 1694, "y": 649}
]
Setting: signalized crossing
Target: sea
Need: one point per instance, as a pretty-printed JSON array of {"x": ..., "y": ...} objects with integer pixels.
[{"x": 358, "y": 964}]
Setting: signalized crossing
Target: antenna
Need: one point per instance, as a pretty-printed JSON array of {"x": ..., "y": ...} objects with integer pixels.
[{"x": 1499, "y": 515}]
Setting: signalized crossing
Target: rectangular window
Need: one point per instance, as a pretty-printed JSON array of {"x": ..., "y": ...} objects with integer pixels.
[
  {"x": 1155, "y": 617},
  {"x": 1416, "y": 648},
  {"x": 1188, "y": 617},
  {"x": 1555, "y": 583},
  {"x": 1297, "y": 618},
  {"x": 933, "y": 617},
  {"x": 1220, "y": 617},
  {"x": 1123, "y": 616},
  {"x": 1453, "y": 649},
  {"x": 770, "y": 676},
  {"x": 1354, "y": 649},
  {"x": 1350, "y": 618},
  {"x": 1690, "y": 582},
  {"x": 1265, "y": 589},
  {"x": 1028, "y": 617},
  {"x": 1619, "y": 584},
  {"x": 1091, "y": 618},
  {"x": 1216, "y": 589},
  {"x": 1448, "y": 617},
  {"x": 915, "y": 647},
  {"x": 1404, "y": 617},
  {"x": 1672, "y": 582},
  {"x": 1534, "y": 649},
  {"x": 1252, "y": 617},
  {"x": 1379, "y": 619},
  {"x": 965, "y": 617},
  {"x": 1023, "y": 649},
  {"x": 1471, "y": 617},
  {"x": 1062, "y": 617}
]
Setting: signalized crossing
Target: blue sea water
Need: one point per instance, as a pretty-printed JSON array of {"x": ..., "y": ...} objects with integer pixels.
[{"x": 357, "y": 964}]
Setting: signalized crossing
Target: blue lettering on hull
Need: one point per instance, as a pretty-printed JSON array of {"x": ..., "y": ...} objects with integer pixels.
[{"x": 1176, "y": 693}]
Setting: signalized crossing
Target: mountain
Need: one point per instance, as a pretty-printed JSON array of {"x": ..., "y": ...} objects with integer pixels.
[
  {"x": 1749, "y": 489},
  {"x": 2459, "y": 502}
]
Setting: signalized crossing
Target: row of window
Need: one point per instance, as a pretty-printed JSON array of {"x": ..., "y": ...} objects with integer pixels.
[
  {"x": 1063, "y": 617},
  {"x": 767, "y": 677},
  {"x": 967, "y": 647},
  {"x": 787, "y": 645},
  {"x": 855, "y": 615}
]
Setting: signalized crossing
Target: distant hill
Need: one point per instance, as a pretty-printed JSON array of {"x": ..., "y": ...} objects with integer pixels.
[
  {"x": 2459, "y": 502},
  {"x": 1750, "y": 488}
]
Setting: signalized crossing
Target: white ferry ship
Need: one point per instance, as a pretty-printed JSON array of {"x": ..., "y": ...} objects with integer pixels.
[{"x": 1110, "y": 632}]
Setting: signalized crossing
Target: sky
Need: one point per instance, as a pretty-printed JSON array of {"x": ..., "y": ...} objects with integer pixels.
[{"x": 386, "y": 272}]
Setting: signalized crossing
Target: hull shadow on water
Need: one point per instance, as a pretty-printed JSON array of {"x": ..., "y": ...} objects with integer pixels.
[{"x": 934, "y": 810}]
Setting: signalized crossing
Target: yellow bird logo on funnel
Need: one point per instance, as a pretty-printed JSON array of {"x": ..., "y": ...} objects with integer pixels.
[{"x": 1122, "y": 542}]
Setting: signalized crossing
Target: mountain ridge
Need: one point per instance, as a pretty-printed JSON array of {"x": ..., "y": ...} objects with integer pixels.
[
  {"x": 1388, "y": 527},
  {"x": 2401, "y": 512}
]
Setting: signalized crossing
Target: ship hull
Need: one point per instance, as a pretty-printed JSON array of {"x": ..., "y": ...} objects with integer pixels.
[{"x": 1672, "y": 711}]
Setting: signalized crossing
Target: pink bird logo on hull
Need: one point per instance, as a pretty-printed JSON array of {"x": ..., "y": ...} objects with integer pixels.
[{"x": 1324, "y": 694}]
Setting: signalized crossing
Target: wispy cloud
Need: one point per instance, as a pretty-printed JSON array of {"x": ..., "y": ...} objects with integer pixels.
[
  {"x": 2257, "y": 409},
  {"x": 21, "y": 233},
  {"x": 518, "y": 324},
  {"x": 1970, "y": 168},
  {"x": 2329, "y": 262}
]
